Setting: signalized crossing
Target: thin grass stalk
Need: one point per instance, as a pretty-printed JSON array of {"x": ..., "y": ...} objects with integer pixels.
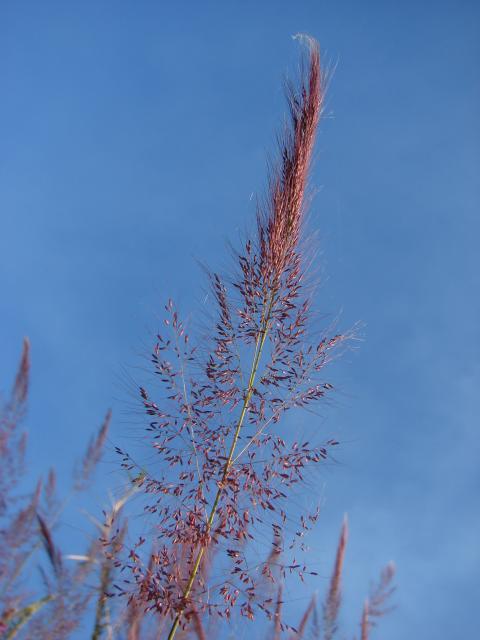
[
  {"x": 333, "y": 600},
  {"x": 260, "y": 343},
  {"x": 305, "y": 618},
  {"x": 198, "y": 627},
  {"x": 113, "y": 542},
  {"x": 376, "y": 605},
  {"x": 101, "y": 606},
  {"x": 24, "y": 615},
  {"x": 364, "y": 624},
  {"x": 267, "y": 297},
  {"x": 277, "y": 627}
]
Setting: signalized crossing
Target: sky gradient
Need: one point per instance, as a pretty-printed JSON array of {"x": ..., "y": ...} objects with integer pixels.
[{"x": 132, "y": 137}]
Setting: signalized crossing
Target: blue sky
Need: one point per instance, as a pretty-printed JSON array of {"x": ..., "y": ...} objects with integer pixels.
[{"x": 133, "y": 135}]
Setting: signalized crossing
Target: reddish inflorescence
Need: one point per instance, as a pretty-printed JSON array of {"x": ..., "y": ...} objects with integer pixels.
[{"x": 224, "y": 466}]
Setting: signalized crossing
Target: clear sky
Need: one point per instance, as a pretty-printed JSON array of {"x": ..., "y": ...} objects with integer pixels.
[{"x": 132, "y": 136}]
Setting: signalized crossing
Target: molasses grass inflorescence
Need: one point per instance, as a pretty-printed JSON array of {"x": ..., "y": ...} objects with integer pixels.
[{"x": 225, "y": 466}]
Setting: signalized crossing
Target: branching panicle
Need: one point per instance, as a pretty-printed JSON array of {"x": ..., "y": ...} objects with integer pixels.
[
  {"x": 376, "y": 605},
  {"x": 225, "y": 463},
  {"x": 223, "y": 468}
]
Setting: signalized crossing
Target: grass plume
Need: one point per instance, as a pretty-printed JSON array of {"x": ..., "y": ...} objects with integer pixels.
[{"x": 226, "y": 458}]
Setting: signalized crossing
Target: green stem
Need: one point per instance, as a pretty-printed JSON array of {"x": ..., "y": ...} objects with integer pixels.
[
  {"x": 253, "y": 373},
  {"x": 24, "y": 615}
]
